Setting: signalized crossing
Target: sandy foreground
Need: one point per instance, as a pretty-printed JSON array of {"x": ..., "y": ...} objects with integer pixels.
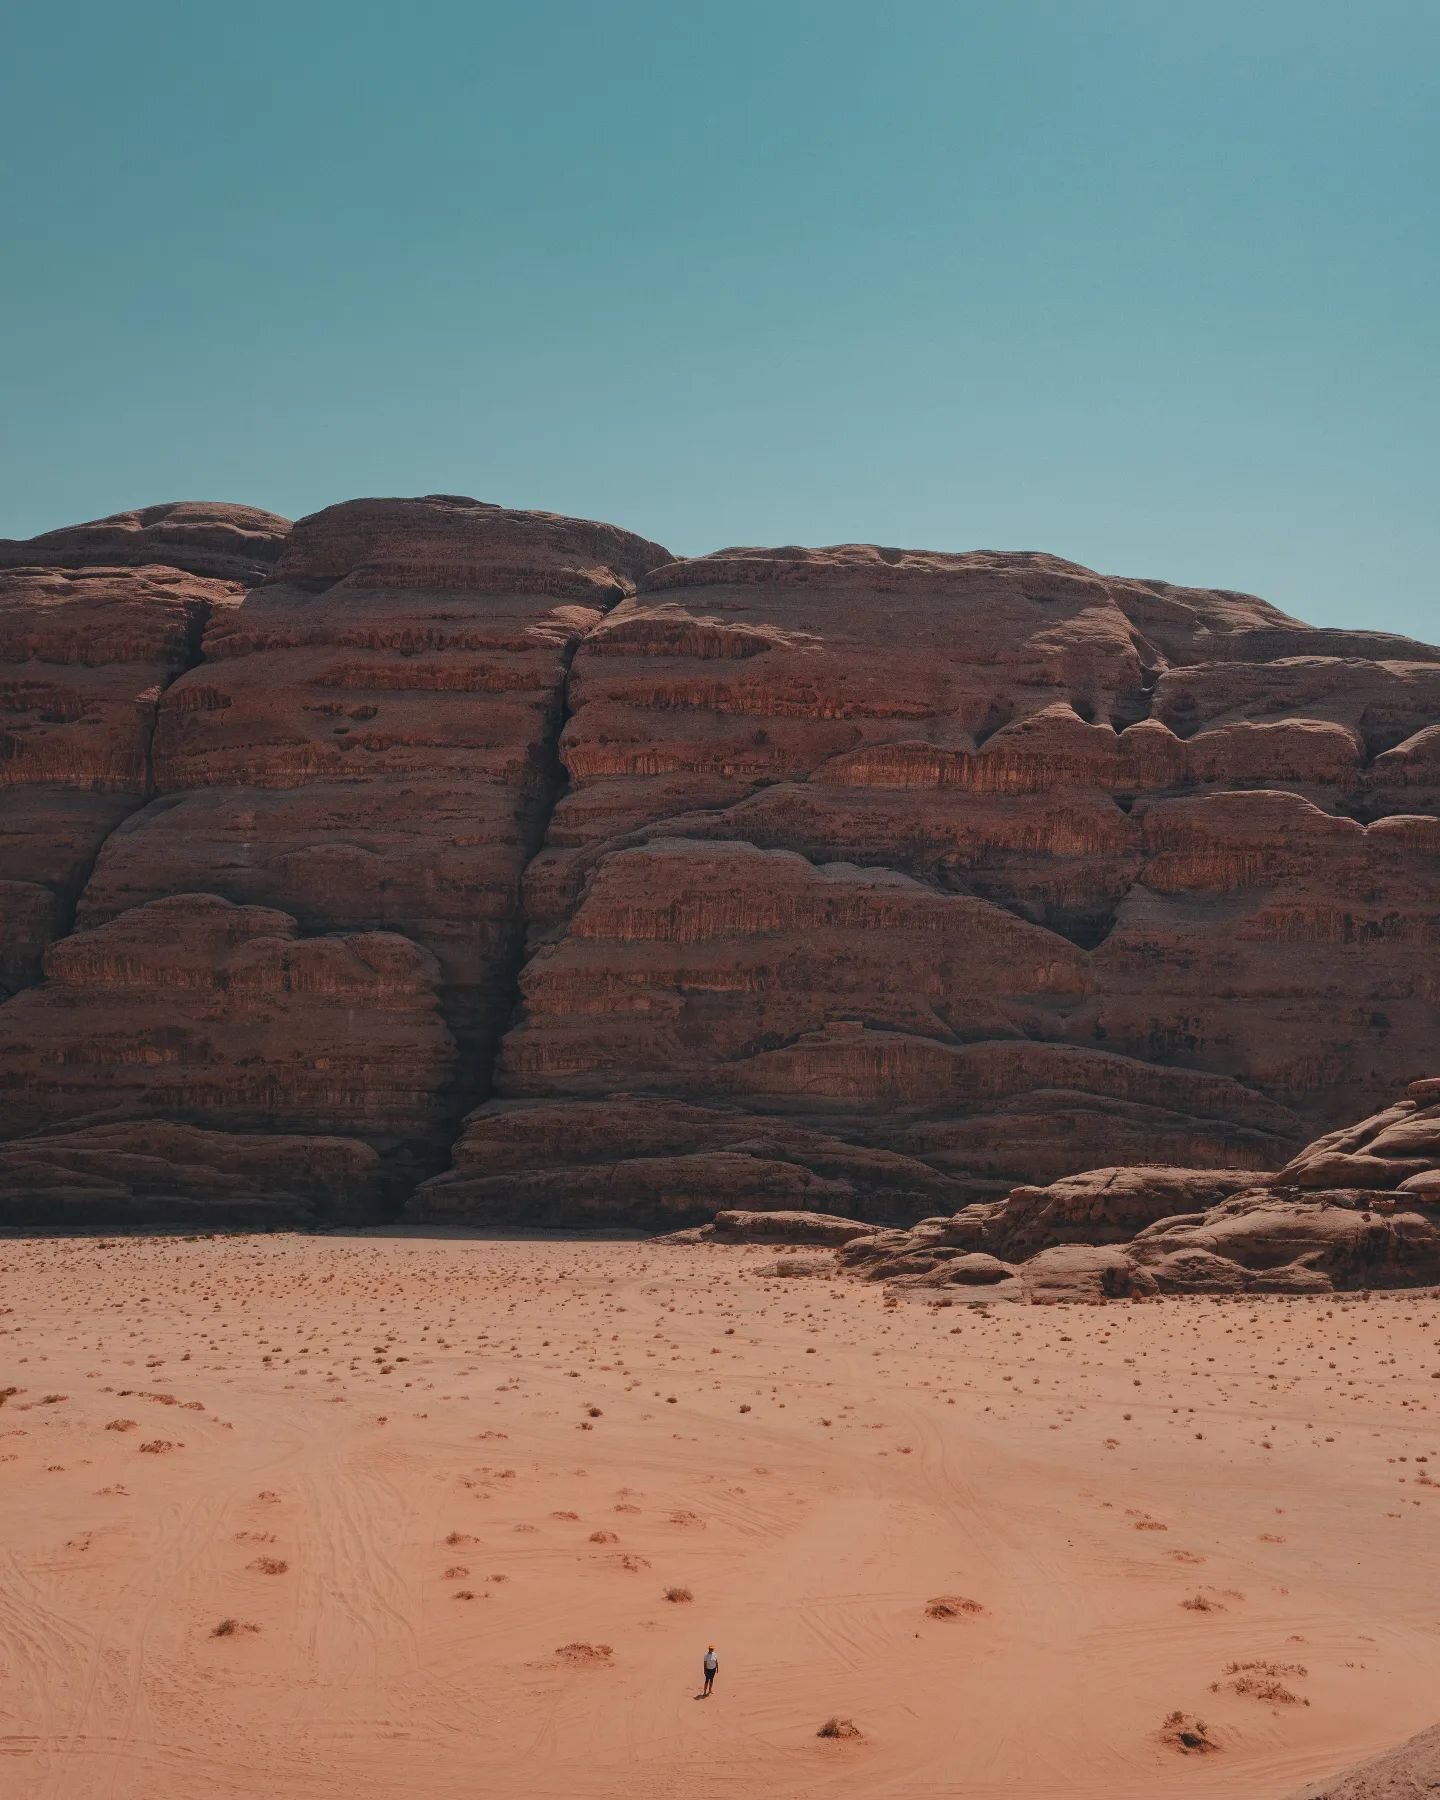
[{"x": 412, "y": 1470}]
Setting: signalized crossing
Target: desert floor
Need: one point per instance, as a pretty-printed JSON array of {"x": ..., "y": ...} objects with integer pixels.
[{"x": 429, "y": 1480}]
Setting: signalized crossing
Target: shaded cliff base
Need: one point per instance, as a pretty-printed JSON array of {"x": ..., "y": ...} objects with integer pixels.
[{"x": 1357, "y": 1209}]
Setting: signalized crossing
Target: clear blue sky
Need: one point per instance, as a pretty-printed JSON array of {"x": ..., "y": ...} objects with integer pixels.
[{"x": 1148, "y": 284}]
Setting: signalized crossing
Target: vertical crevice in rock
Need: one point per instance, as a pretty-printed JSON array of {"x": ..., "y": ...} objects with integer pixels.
[
  {"x": 554, "y": 781},
  {"x": 199, "y": 619}
]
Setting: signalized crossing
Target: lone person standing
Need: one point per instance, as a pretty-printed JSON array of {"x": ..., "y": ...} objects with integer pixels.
[{"x": 712, "y": 1663}]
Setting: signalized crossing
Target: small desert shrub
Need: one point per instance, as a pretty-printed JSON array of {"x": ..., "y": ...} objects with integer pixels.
[
  {"x": 950, "y": 1606},
  {"x": 839, "y": 1728},
  {"x": 680, "y": 1595},
  {"x": 1261, "y": 1687},
  {"x": 269, "y": 1565},
  {"x": 1189, "y": 1736}
]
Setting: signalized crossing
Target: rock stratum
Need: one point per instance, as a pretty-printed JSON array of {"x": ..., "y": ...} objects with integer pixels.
[{"x": 502, "y": 868}]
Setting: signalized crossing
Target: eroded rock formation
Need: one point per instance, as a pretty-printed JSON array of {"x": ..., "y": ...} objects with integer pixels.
[
  {"x": 95, "y": 623},
  {"x": 981, "y": 864},
  {"x": 1411, "y": 1771},
  {"x": 856, "y": 881},
  {"x": 1359, "y": 1208}
]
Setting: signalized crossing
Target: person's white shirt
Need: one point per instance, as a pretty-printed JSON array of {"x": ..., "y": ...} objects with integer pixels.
[{"x": 712, "y": 1662}]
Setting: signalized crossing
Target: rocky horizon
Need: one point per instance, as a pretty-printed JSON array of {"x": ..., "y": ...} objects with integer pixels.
[{"x": 500, "y": 867}]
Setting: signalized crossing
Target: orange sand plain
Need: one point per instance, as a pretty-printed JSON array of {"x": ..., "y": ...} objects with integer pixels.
[{"x": 411, "y": 1470}]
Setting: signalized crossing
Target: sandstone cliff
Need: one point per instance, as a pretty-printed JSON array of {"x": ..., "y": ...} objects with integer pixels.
[{"x": 858, "y": 881}]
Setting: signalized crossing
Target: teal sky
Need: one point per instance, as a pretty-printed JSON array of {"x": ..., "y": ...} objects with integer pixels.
[{"x": 1149, "y": 285}]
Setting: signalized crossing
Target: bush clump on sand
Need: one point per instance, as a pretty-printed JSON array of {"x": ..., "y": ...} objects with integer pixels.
[
  {"x": 680, "y": 1596},
  {"x": 951, "y": 1606},
  {"x": 1260, "y": 1680},
  {"x": 840, "y": 1728},
  {"x": 1191, "y": 1737}
]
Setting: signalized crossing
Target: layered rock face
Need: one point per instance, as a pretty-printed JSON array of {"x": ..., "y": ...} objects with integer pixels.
[
  {"x": 967, "y": 869},
  {"x": 358, "y": 757},
  {"x": 855, "y": 881},
  {"x": 369, "y": 739},
  {"x": 95, "y": 623},
  {"x": 156, "y": 1174}
]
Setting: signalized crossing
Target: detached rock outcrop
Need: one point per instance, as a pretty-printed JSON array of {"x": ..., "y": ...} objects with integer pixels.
[
  {"x": 1112, "y": 1234},
  {"x": 1411, "y": 1771},
  {"x": 777, "y": 1228}
]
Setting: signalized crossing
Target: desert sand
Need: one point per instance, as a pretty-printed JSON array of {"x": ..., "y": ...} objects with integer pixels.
[{"x": 391, "y": 1514}]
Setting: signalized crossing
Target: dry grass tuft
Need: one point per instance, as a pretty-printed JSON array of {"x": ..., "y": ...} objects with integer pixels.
[
  {"x": 1191, "y": 1737},
  {"x": 951, "y": 1606}
]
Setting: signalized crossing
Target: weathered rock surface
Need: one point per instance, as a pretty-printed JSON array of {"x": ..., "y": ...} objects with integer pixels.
[
  {"x": 232, "y": 543},
  {"x": 738, "y": 1227},
  {"x": 369, "y": 740},
  {"x": 982, "y": 861},
  {"x": 148, "y": 1174},
  {"x": 194, "y": 1011},
  {"x": 869, "y": 882},
  {"x": 1411, "y": 1771},
  {"x": 1122, "y": 1233},
  {"x": 85, "y": 654}
]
